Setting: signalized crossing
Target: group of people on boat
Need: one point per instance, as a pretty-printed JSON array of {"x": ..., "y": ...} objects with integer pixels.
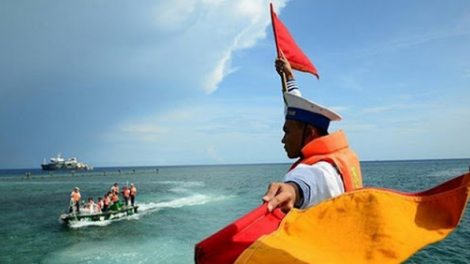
[{"x": 104, "y": 203}]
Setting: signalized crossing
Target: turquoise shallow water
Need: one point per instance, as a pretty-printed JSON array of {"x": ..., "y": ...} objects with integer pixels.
[{"x": 179, "y": 206}]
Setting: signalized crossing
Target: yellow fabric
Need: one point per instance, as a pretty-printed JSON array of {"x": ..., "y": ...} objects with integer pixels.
[{"x": 362, "y": 226}]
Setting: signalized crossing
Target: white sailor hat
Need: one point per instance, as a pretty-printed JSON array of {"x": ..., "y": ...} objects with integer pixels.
[
  {"x": 308, "y": 112},
  {"x": 76, "y": 188}
]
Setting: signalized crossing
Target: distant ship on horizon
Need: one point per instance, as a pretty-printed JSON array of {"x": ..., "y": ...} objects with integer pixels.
[{"x": 59, "y": 163}]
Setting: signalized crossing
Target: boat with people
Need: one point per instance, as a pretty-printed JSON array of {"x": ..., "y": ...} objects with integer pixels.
[
  {"x": 59, "y": 163},
  {"x": 116, "y": 211}
]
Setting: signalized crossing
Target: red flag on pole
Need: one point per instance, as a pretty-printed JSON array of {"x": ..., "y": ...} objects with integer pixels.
[{"x": 286, "y": 45}]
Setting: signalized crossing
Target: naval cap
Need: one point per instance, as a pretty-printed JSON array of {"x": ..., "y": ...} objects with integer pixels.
[{"x": 303, "y": 110}]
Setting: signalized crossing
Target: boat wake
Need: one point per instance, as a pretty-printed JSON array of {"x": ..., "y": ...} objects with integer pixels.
[
  {"x": 80, "y": 224},
  {"x": 151, "y": 207},
  {"x": 183, "y": 187},
  {"x": 192, "y": 200},
  {"x": 449, "y": 173}
]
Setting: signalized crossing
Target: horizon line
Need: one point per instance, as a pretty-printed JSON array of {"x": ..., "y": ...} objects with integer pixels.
[{"x": 238, "y": 164}]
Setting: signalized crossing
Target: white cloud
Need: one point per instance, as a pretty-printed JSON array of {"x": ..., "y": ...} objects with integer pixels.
[
  {"x": 167, "y": 39},
  {"x": 224, "y": 27},
  {"x": 171, "y": 16},
  {"x": 217, "y": 75}
]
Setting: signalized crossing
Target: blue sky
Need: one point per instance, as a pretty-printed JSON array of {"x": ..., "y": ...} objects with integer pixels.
[{"x": 134, "y": 83}]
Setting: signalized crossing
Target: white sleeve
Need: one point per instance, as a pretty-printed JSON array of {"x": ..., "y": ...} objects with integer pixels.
[
  {"x": 317, "y": 182},
  {"x": 292, "y": 88}
]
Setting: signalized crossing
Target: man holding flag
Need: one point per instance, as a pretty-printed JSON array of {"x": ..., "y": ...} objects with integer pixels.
[
  {"x": 366, "y": 225},
  {"x": 327, "y": 166}
]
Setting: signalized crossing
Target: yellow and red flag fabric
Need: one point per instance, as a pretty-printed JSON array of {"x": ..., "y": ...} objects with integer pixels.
[
  {"x": 369, "y": 225},
  {"x": 287, "y": 47}
]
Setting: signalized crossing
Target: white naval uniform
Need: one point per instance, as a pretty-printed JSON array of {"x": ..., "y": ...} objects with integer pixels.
[{"x": 317, "y": 182}]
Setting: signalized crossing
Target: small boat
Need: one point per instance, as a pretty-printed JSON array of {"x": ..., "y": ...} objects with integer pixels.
[
  {"x": 59, "y": 163},
  {"x": 116, "y": 211}
]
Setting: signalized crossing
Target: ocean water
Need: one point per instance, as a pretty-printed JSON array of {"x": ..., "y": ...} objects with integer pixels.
[{"x": 179, "y": 206}]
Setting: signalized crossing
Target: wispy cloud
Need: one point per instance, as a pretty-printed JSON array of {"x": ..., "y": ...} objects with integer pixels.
[
  {"x": 412, "y": 40},
  {"x": 204, "y": 121},
  {"x": 193, "y": 38},
  {"x": 220, "y": 29},
  {"x": 210, "y": 132}
]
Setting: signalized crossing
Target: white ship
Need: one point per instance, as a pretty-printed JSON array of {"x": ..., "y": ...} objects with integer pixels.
[{"x": 59, "y": 163}]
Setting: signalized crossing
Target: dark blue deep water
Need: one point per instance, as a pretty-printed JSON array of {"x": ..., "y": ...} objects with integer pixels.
[{"x": 179, "y": 206}]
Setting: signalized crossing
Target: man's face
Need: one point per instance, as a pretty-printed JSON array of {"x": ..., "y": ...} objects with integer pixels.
[{"x": 292, "y": 140}]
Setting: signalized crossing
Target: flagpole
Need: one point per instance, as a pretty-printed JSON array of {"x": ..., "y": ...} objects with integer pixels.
[
  {"x": 283, "y": 75},
  {"x": 284, "y": 82}
]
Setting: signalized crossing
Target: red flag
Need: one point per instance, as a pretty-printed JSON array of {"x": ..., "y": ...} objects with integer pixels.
[
  {"x": 286, "y": 45},
  {"x": 226, "y": 245}
]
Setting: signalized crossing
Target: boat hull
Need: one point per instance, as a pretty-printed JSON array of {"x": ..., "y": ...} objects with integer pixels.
[
  {"x": 54, "y": 167},
  {"x": 100, "y": 217}
]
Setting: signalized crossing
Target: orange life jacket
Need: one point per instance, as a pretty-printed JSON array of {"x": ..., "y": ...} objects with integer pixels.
[
  {"x": 133, "y": 191},
  {"x": 76, "y": 196},
  {"x": 114, "y": 198},
  {"x": 126, "y": 192},
  {"x": 335, "y": 150},
  {"x": 101, "y": 204},
  {"x": 107, "y": 201}
]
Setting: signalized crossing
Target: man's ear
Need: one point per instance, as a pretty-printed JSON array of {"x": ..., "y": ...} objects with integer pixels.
[{"x": 310, "y": 133}]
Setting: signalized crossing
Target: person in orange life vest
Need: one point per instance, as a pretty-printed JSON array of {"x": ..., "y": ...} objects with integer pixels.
[
  {"x": 106, "y": 202},
  {"x": 115, "y": 189},
  {"x": 125, "y": 194},
  {"x": 114, "y": 197},
  {"x": 132, "y": 193},
  {"x": 326, "y": 168},
  {"x": 75, "y": 200}
]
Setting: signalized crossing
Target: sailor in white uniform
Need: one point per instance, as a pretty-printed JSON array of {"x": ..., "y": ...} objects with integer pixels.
[{"x": 305, "y": 185}]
